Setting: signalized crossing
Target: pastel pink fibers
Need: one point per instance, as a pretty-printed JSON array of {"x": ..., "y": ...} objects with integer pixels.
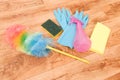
[{"x": 12, "y": 32}]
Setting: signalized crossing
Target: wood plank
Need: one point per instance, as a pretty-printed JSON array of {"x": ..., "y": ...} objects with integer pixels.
[
  {"x": 114, "y": 77},
  {"x": 15, "y": 65}
]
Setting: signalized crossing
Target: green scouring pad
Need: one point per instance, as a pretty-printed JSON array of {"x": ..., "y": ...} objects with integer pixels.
[{"x": 52, "y": 28}]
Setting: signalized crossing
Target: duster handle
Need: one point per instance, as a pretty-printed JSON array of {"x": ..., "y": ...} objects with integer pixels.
[{"x": 67, "y": 54}]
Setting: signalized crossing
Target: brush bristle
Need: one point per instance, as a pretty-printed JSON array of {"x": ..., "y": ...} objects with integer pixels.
[
  {"x": 31, "y": 44},
  {"x": 12, "y": 32},
  {"x": 36, "y": 44}
]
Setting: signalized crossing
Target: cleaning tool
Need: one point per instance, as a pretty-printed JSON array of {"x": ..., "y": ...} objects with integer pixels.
[
  {"x": 34, "y": 44},
  {"x": 68, "y": 35},
  {"x": 81, "y": 42},
  {"x": 52, "y": 28},
  {"x": 99, "y": 38}
]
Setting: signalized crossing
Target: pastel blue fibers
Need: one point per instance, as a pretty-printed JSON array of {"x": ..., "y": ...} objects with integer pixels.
[
  {"x": 35, "y": 45},
  {"x": 39, "y": 49},
  {"x": 30, "y": 41}
]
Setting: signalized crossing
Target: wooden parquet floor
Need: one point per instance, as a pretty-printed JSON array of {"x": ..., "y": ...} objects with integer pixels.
[{"x": 15, "y": 65}]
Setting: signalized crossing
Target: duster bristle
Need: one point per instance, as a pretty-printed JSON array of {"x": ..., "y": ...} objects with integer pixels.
[
  {"x": 12, "y": 32},
  {"x": 32, "y": 44},
  {"x": 36, "y": 44}
]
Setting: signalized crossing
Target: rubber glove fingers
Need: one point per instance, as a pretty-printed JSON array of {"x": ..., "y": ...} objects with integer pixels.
[
  {"x": 61, "y": 16},
  {"x": 68, "y": 15},
  {"x": 76, "y": 14},
  {"x": 80, "y": 16},
  {"x": 57, "y": 16},
  {"x": 63, "y": 11},
  {"x": 85, "y": 21},
  {"x": 64, "y": 22}
]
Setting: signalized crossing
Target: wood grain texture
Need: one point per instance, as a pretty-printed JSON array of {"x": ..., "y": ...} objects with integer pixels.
[{"x": 15, "y": 65}]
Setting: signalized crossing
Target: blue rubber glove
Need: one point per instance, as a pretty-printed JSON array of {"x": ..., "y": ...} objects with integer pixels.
[{"x": 63, "y": 17}]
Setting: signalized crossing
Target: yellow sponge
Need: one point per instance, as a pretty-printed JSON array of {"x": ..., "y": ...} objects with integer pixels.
[{"x": 99, "y": 38}]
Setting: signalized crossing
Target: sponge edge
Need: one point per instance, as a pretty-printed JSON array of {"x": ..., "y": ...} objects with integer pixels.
[{"x": 99, "y": 38}]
